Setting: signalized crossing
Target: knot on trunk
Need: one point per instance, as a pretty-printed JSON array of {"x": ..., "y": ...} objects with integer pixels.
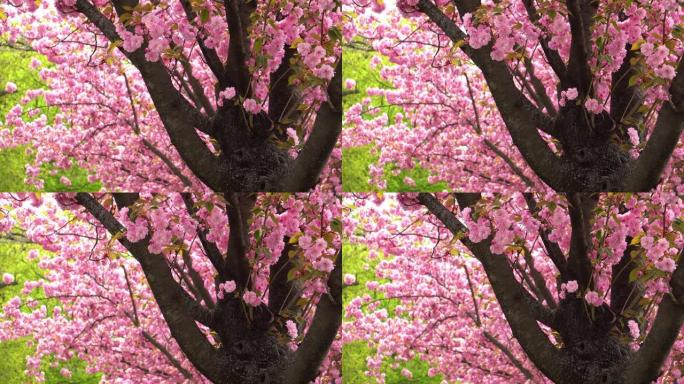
[
  {"x": 253, "y": 352},
  {"x": 598, "y": 168},
  {"x": 677, "y": 285},
  {"x": 257, "y": 168},
  {"x": 594, "y": 161},
  {"x": 594, "y": 354}
]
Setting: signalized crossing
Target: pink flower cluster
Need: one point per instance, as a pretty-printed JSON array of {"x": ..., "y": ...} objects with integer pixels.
[
  {"x": 428, "y": 275},
  {"x": 93, "y": 281},
  {"x": 225, "y": 287},
  {"x": 7, "y": 278},
  {"x": 10, "y": 87}
]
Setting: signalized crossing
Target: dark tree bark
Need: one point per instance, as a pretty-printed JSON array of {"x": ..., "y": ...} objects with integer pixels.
[
  {"x": 592, "y": 158},
  {"x": 250, "y": 350},
  {"x": 590, "y": 349},
  {"x": 249, "y": 155},
  {"x": 3, "y": 285}
]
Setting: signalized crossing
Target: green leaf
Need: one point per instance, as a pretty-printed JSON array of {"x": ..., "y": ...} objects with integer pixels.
[
  {"x": 204, "y": 15},
  {"x": 336, "y": 225},
  {"x": 633, "y": 79},
  {"x": 258, "y": 44},
  {"x": 335, "y": 34},
  {"x": 678, "y": 225},
  {"x": 291, "y": 274}
]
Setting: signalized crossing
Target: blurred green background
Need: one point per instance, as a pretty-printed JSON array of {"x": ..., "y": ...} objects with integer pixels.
[
  {"x": 354, "y": 354},
  {"x": 355, "y": 160},
  {"x": 14, "y": 353},
  {"x": 15, "y": 68}
]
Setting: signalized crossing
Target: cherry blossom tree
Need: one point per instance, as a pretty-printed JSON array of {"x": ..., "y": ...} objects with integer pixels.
[
  {"x": 181, "y": 95},
  {"x": 192, "y": 288},
  {"x": 509, "y": 95},
  {"x": 580, "y": 288}
]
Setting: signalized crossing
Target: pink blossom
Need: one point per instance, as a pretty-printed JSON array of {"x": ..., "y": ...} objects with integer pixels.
[
  {"x": 292, "y": 330},
  {"x": 292, "y": 134},
  {"x": 633, "y": 136},
  {"x": 349, "y": 279},
  {"x": 666, "y": 72},
  {"x": 35, "y": 63},
  {"x": 251, "y": 106},
  {"x": 10, "y": 87},
  {"x": 571, "y": 93},
  {"x": 65, "y": 180},
  {"x": 324, "y": 265},
  {"x": 155, "y": 48},
  {"x": 571, "y": 286},
  {"x": 409, "y": 181},
  {"x": 633, "y": 329},
  {"x": 406, "y": 373},
  {"x": 666, "y": 265},
  {"x": 7, "y": 278},
  {"x": 324, "y": 72},
  {"x": 593, "y": 298},
  {"x": 132, "y": 42},
  {"x": 229, "y": 286},
  {"x": 593, "y": 106},
  {"x": 137, "y": 231},
  {"x": 226, "y": 94},
  {"x": 225, "y": 287},
  {"x": 250, "y": 298},
  {"x": 32, "y": 254},
  {"x": 350, "y": 83}
]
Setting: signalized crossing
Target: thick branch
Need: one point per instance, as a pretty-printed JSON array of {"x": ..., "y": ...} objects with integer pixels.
[
  {"x": 553, "y": 57},
  {"x": 210, "y": 249},
  {"x": 239, "y": 210},
  {"x": 522, "y": 118},
  {"x": 280, "y": 290},
  {"x": 516, "y": 362},
  {"x": 238, "y": 13},
  {"x": 322, "y": 332},
  {"x": 168, "y": 294},
  {"x": 646, "y": 364},
  {"x": 624, "y": 98},
  {"x": 581, "y": 15},
  {"x": 580, "y": 208},
  {"x": 210, "y": 56},
  {"x": 282, "y": 97},
  {"x": 179, "y": 117},
  {"x": 552, "y": 248},
  {"x": 662, "y": 142},
  {"x": 623, "y": 292},
  {"x": 508, "y": 292},
  {"x": 322, "y": 139}
]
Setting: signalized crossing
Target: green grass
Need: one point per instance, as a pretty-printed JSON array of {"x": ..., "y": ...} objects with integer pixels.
[
  {"x": 14, "y": 353},
  {"x": 16, "y": 69},
  {"x": 354, "y": 354},
  {"x": 355, "y": 161}
]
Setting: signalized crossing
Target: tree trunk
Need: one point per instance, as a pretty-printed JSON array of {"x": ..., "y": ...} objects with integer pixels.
[
  {"x": 594, "y": 161},
  {"x": 592, "y": 353}
]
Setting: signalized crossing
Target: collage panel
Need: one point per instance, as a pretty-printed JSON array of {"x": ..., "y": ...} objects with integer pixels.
[
  {"x": 170, "y": 288},
  {"x": 513, "y": 288},
  {"x": 170, "y": 95},
  {"x": 179, "y": 181},
  {"x": 505, "y": 96}
]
